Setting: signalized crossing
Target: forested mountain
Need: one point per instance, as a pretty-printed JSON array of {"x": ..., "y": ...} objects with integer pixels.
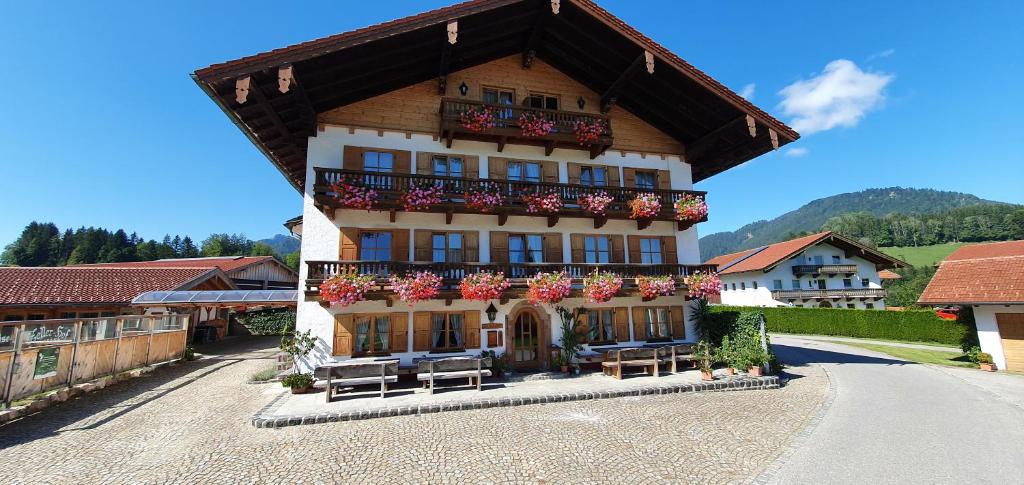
[
  {"x": 872, "y": 202},
  {"x": 282, "y": 244}
]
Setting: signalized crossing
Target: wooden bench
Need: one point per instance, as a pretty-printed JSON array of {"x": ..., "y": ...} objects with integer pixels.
[
  {"x": 676, "y": 353},
  {"x": 347, "y": 374},
  {"x": 453, "y": 368},
  {"x": 616, "y": 360}
]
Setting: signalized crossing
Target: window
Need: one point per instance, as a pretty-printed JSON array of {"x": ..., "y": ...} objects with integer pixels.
[
  {"x": 646, "y": 180},
  {"x": 113, "y": 314},
  {"x": 776, "y": 284},
  {"x": 796, "y": 284},
  {"x": 36, "y": 316},
  {"x": 594, "y": 176},
  {"x": 650, "y": 251},
  {"x": 504, "y": 97},
  {"x": 447, "y": 166},
  {"x": 446, "y": 247},
  {"x": 597, "y": 249},
  {"x": 602, "y": 325},
  {"x": 380, "y": 162},
  {"x": 734, "y": 287},
  {"x": 13, "y": 318},
  {"x": 851, "y": 306},
  {"x": 836, "y": 259},
  {"x": 755, "y": 285},
  {"x": 819, "y": 260},
  {"x": 542, "y": 101},
  {"x": 864, "y": 283},
  {"x": 446, "y": 331},
  {"x": 821, "y": 284},
  {"x": 524, "y": 171},
  {"x": 525, "y": 248},
  {"x": 67, "y": 315},
  {"x": 89, "y": 315},
  {"x": 743, "y": 285},
  {"x": 869, "y": 306},
  {"x": 847, "y": 283},
  {"x": 658, "y": 323},
  {"x": 725, "y": 286},
  {"x": 372, "y": 333},
  {"x": 375, "y": 246}
]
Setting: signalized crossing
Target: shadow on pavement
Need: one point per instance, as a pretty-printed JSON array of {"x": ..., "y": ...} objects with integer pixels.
[{"x": 806, "y": 355}]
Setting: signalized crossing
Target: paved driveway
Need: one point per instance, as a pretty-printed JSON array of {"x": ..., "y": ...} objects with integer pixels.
[{"x": 890, "y": 421}]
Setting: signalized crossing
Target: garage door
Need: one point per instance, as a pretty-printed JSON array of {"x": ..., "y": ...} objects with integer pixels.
[{"x": 1011, "y": 330}]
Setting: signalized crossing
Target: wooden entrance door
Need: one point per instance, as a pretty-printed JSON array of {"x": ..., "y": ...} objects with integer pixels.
[
  {"x": 526, "y": 341},
  {"x": 1011, "y": 331}
]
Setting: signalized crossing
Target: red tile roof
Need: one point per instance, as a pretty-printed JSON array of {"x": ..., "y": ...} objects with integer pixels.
[
  {"x": 85, "y": 284},
  {"x": 979, "y": 273},
  {"x": 888, "y": 275},
  {"x": 226, "y": 264},
  {"x": 760, "y": 259},
  {"x": 727, "y": 259}
]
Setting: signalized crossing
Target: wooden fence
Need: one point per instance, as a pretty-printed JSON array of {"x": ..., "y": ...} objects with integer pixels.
[{"x": 39, "y": 356}]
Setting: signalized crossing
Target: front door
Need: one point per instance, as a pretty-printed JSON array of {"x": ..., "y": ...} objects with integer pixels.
[
  {"x": 1011, "y": 332},
  {"x": 526, "y": 341}
]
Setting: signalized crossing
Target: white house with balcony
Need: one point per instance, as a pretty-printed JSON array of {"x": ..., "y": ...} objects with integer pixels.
[{"x": 823, "y": 270}]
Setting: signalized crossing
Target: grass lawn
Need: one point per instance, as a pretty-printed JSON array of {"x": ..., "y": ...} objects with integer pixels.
[
  {"x": 869, "y": 340},
  {"x": 922, "y": 255},
  {"x": 916, "y": 355}
]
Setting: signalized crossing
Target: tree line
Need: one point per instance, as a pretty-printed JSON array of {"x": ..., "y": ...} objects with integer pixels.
[
  {"x": 976, "y": 223},
  {"x": 43, "y": 244}
]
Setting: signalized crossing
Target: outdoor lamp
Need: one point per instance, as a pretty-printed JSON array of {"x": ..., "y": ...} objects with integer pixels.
[
  {"x": 463, "y": 89},
  {"x": 492, "y": 312}
]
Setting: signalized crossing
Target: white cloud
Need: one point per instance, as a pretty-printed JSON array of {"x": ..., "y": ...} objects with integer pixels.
[
  {"x": 796, "y": 152},
  {"x": 882, "y": 55},
  {"x": 839, "y": 96},
  {"x": 748, "y": 91}
]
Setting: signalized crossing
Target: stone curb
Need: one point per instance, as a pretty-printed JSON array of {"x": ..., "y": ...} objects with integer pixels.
[{"x": 265, "y": 417}]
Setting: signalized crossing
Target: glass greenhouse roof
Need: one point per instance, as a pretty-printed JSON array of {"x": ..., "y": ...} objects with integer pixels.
[{"x": 222, "y": 297}]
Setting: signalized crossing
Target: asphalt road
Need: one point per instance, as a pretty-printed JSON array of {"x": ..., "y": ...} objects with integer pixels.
[{"x": 890, "y": 421}]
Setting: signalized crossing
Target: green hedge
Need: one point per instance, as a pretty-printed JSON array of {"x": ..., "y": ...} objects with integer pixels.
[
  {"x": 907, "y": 325},
  {"x": 268, "y": 322}
]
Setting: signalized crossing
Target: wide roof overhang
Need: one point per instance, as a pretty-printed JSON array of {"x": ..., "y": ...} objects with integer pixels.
[{"x": 583, "y": 40}]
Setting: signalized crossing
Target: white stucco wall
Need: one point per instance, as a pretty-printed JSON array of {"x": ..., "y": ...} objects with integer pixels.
[{"x": 988, "y": 330}]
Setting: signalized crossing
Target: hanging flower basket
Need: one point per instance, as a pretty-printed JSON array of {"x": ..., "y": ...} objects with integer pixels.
[
  {"x": 652, "y": 287},
  {"x": 534, "y": 124},
  {"x": 484, "y": 197},
  {"x": 587, "y": 133},
  {"x": 548, "y": 288},
  {"x": 354, "y": 196},
  {"x": 691, "y": 208},
  {"x": 645, "y": 206},
  {"x": 344, "y": 290},
  {"x": 596, "y": 204},
  {"x": 413, "y": 288},
  {"x": 477, "y": 119},
  {"x": 483, "y": 286},
  {"x": 703, "y": 284},
  {"x": 421, "y": 197},
  {"x": 549, "y": 203},
  {"x": 600, "y": 287}
]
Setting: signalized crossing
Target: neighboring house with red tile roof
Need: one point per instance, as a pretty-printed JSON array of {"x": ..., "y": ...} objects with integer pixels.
[
  {"x": 89, "y": 291},
  {"x": 248, "y": 272},
  {"x": 820, "y": 270},
  {"x": 889, "y": 275},
  {"x": 990, "y": 278}
]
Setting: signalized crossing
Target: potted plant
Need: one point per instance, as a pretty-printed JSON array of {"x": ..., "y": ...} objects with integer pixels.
[
  {"x": 535, "y": 124},
  {"x": 549, "y": 203},
  {"x": 300, "y": 383},
  {"x": 588, "y": 132},
  {"x": 477, "y": 119},
  {"x": 570, "y": 339},
  {"x": 652, "y": 287},
  {"x": 596, "y": 204},
  {"x": 354, "y": 196},
  {"x": 704, "y": 360},
  {"x": 600, "y": 287},
  {"x": 298, "y": 345},
  {"x": 483, "y": 286},
  {"x": 548, "y": 288},
  {"x": 691, "y": 208},
  {"x": 702, "y": 284},
  {"x": 985, "y": 362},
  {"x": 484, "y": 197},
  {"x": 346, "y": 289},
  {"x": 417, "y": 287},
  {"x": 645, "y": 206},
  {"x": 726, "y": 355},
  {"x": 421, "y": 197},
  {"x": 499, "y": 363},
  {"x": 559, "y": 362}
]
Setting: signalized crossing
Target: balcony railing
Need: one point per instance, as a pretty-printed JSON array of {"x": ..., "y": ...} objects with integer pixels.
[
  {"x": 506, "y": 126},
  {"x": 518, "y": 273},
  {"x": 802, "y": 269},
  {"x": 391, "y": 186},
  {"x": 839, "y": 293}
]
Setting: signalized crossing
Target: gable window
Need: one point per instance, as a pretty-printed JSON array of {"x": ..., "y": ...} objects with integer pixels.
[
  {"x": 597, "y": 249},
  {"x": 646, "y": 179},
  {"x": 847, "y": 283},
  {"x": 372, "y": 332},
  {"x": 524, "y": 171},
  {"x": 525, "y": 248},
  {"x": 796, "y": 284},
  {"x": 836, "y": 259},
  {"x": 446, "y": 331},
  {"x": 819, "y": 260},
  {"x": 375, "y": 246},
  {"x": 602, "y": 325},
  {"x": 446, "y": 247},
  {"x": 650, "y": 251},
  {"x": 743, "y": 285},
  {"x": 594, "y": 176},
  {"x": 777, "y": 284},
  {"x": 864, "y": 283},
  {"x": 501, "y": 96},
  {"x": 542, "y": 101}
]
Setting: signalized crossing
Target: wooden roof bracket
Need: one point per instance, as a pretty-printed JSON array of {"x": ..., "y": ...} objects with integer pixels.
[
  {"x": 536, "y": 35},
  {"x": 611, "y": 94}
]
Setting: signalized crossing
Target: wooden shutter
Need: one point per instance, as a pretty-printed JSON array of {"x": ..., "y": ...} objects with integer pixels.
[
  {"x": 613, "y": 177},
  {"x": 421, "y": 331},
  {"x": 352, "y": 158},
  {"x": 400, "y": 245},
  {"x": 422, "y": 245},
  {"x": 583, "y": 327},
  {"x": 471, "y": 329},
  {"x": 668, "y": 250},
  {"x": 471, "y": 166},
  {"x": 549, "y": 172},
  {"x": 618, "y": 248},
  {"x": 553, "y": 248},
  {"x": 497, "y": 168},
  {"x": 344, "y": 334},
  {"x": 678, "y": 322},
  {"x": 471, "y": 246},
  {"x": 399, "y": 331},
  {"x": 424, "y": 163},
  {"x": 621, "y": 324},
  {"x": 629, "y": 177},
  {"x": 348, "y": 249},
  {"x": 634, "y": 249},
  {"x": 575, "y": 170},
  {"x": 402, "y": 161},
  {"x": 639, "y": 324},
  {"x": 664, "y": 180},
  {"x": 577, "y": 248},
  {"x": 499, "y": 247}
]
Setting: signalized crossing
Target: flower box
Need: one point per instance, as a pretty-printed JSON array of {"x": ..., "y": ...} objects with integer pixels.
[
  {"x": 534, "y": 125},
  {"x": 344, "y": 290},
  {"x": 354, "y": 196},
  {"x": 600, "y": 287},
  {"x": 421, "y": 197},
  {"x": 596, "y": 204},
  {"x": 483, "y": 286},
  {"x": 485, "y": 197},
  {"x": 645, "y": 206},
  {"x": 549, "y": 203},
  {"x": 477, "y": 119},
  {"x": 414, "y": 288},
  {"x": 548, "y": 288},
  {"x": 691, "y": 208},
  {"x": 587, "y": 133},
  {"x": 652, "y": 287},
  {"x": 703, "y": 284}
]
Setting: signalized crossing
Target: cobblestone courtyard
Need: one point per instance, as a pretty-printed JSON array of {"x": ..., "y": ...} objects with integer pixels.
[{"x": 190, "y": 424}]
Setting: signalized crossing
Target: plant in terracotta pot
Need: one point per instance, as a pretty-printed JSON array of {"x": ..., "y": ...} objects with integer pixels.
[
  {"x": 985, "y": 362},
  {"x": 298, "y": 345},
  {"x": 300, "y": 383},
  {"x": 705, "y": 358},
  {"x": 570, "y": 340},
  {"x": 725, "y": 354}
]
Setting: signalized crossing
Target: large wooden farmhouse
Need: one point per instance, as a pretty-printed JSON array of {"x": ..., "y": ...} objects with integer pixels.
[{"x": 489, "y": 139}]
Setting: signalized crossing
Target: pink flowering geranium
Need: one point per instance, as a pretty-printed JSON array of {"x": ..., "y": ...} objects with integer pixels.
[
  {"x": 477, "y": 119},
  {"x": 413, "y": 288},
  {"x": 484, "y": 197},
  {"x": 346, "y": 289},
  {"x": 548, "y": 287},
  {"x": 549, "y": 203},
  {"x": 652, "y": 287},
  {"x": 484, "y": 286},
  {"x": 600, "y": 287},
  {"x": 691, "y": 208},
  {"x": 354, "y": 196},
  {"x": 703, "y": 284},
  {"x": 645, "y": 206},
  {"x": 587, "y": 133},
  {"x": 420, "y": 197},
  {"x": 535, "y": 124},
  {"x": 596, "y": 204}
]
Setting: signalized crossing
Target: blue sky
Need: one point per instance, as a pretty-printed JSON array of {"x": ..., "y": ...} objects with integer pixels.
[{"x": 102, "y": 126}]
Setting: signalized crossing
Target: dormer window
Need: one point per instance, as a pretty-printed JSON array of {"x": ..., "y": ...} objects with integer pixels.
[{"x": 542, "y": 101}]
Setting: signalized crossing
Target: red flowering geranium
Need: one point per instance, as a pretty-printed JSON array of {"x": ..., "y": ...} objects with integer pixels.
[
  {"x": 354, "y": 196},
  {"x": 483, "y": 286},
  {"x": 587, "y": 133},
  {"x": 413, "y": 288},
  {"x": 600, "y": 287},
  {"x": 703, "y": 284},
  {"x": 596, "y": 204},
  {"x": 344, "y": 290},
  {"x": 549, "y": 203},
  {"x": 548, "y": 287},
  {"x": 645, "y": 206},
  {"x": 485, "y": 197},
  {"x": 534, "y": 124},
  {"x": 421, "y": 196},
  {"x": 477, "y": 119},
  {"x": 691, "y": 208},
  {"x": 652, "y": 287}
]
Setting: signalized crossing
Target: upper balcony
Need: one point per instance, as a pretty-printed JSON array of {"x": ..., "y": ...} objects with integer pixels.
[
  {"x": 391, "y": 186},
  {"x": 506, "y": 127},
  {"x": 835, "y": 294},
  {"x": 816, "y": 269}
]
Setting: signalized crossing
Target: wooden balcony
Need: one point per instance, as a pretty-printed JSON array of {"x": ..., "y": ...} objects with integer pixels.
[
  {"x": 518, "y": 273},
  {"x": 506, "y": 127},
  {"x": 814, "y": 269},
  {"x": 391, "y": 186},
  {"x": 836, "y": 294}
]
